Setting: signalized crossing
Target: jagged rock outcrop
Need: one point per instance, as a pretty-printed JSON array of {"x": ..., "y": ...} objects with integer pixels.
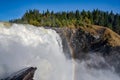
[
  {"x": 92, "y": 39},
  {"x": 24, "y": 74}
]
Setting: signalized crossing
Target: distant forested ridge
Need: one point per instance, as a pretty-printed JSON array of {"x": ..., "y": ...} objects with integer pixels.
[{"x": 72, "y": 19}]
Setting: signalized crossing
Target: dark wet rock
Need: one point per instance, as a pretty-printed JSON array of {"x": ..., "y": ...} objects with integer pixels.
[
  {"x": 79, "y": 43},
  {"x": 24, "y": 74}
]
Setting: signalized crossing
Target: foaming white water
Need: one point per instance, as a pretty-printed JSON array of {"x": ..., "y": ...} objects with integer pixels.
[{"x": 22, "y": 46}]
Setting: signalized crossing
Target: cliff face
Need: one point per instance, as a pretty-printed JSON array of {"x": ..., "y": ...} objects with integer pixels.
[{"x": 89, "y": 40}]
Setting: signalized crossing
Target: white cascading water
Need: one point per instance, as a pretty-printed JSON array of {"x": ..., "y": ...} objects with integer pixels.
[{"x": 24, "y": 46}]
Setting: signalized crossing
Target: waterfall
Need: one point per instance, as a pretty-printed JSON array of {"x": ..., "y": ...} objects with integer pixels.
[{"x": 24, "y": 46}]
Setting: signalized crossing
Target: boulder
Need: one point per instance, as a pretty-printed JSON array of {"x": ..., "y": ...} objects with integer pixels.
[{"x": 24, "y": 74}]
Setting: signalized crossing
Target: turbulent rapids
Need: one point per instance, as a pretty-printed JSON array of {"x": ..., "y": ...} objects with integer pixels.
[{"x": 24, "y": 46}]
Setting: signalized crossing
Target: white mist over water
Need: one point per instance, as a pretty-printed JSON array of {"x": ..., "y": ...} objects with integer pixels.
[
  {"x": 95, "y": 68},
  {"x": 24, "y": 46}
]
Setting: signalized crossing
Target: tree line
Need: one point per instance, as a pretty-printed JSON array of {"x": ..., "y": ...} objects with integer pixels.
[{"x": 72, "y": 19}]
